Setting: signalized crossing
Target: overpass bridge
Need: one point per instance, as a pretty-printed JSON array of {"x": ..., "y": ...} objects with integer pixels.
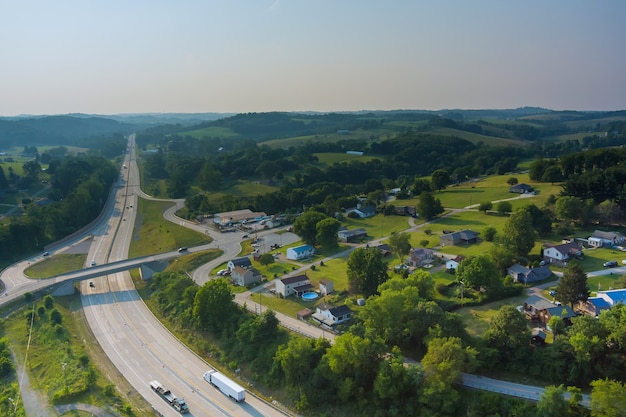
[{"x": 63, "y": 284}]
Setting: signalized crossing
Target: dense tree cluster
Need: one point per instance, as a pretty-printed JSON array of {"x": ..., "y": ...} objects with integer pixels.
[{"x": 80, "y": 187}]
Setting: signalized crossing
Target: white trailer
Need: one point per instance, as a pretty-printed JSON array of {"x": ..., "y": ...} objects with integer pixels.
[{"x": 226, "y": 385}]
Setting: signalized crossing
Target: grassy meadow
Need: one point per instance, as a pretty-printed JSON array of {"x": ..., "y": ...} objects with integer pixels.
[
  {"x": 56, "y": 265},
  {"x": 153, "y": 234}
]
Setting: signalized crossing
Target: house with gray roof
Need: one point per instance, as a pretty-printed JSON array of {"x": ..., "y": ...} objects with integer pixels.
[
  {"x": 600, "y": 239},
  {"x": 464, "y": 237},
  {"x": 520, "y": 273}
]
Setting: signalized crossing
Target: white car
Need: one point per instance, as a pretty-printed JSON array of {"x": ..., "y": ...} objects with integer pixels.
[
  {"x": 624, "y": 262},
  {"x": 222, "y": 272},
  {"x": 93, "y": 262}
]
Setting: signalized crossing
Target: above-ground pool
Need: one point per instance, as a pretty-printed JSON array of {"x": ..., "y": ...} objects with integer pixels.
[{"x": 310, "y": 296}]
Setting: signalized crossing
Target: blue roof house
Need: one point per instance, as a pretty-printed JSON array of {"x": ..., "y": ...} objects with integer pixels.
[{"x": 300, "y": 252}]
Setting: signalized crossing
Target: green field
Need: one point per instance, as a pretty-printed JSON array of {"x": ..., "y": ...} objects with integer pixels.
[
  {"x": 153, "y": 234},
  {"x": 212, "y": 132}
]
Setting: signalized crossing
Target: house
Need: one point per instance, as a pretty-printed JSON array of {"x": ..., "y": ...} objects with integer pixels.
[
  {"x": 600, "y": 239},
  {"x": 453, "y": 264},
  {"x": 405, "y": 210},
  {"x": 455, "y": 238},
  {"x": 520, "y": 273},
  {"x": 542, "y": 310},
  {"x": 562, "y": 253},
  {"x": 419, "y": 256},
  {"x": 300, "y": 252},
  {"x": 331, "y": 316},
  {"x": 520, "y": 188},
  {"x": 364, "y": 212},
  {"x": 242, "y": 262},
  {"x": 564, "y": 312},
  {"x": 533, "y": 305},
  {"x": 603, "y": 300},
  {"x": 350, "y": 236},
  {"x": 243, "y": 277},
  {"x": 292, "y": 285},
  {"x": 326, "y": 287}
]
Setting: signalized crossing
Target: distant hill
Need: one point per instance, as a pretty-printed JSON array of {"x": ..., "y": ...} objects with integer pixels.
[{"x": 56, "y": 130}]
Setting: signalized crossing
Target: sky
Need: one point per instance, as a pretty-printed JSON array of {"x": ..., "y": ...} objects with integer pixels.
[{"x": 237, "y": 56}]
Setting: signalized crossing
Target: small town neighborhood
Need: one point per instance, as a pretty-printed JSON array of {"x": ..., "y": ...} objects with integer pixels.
[{"x": 537, "y": 309}]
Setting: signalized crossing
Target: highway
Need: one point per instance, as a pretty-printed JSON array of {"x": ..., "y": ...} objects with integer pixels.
[{"x": 134, "y": 339}]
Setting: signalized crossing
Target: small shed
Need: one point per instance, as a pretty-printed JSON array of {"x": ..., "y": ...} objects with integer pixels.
[
  {"x": 326, "y": 287},
  {"x": 304, "y": 314}
]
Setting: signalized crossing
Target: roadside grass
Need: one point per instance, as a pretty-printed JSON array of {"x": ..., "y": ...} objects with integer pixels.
[
  {"x": 191, "y": 262},
  {"x": 153, "y": 234},
  {"x": 56, "y": 265},
  {"x": 65, "y": 362}
]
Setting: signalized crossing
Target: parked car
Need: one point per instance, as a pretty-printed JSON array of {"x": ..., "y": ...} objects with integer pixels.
[{"x": 610, "y": 264}]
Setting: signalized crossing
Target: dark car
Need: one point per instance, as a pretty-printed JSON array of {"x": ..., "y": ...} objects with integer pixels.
[{"x": 610, "y": 264}]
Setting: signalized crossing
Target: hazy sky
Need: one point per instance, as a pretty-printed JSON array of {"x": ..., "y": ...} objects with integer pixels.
[{"x": 133, "y": 56}]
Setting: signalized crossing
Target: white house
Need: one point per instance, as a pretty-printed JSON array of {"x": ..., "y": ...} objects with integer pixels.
[
  {"x": 300, "y": 252},
  {"x": 292, "y": 285},
  {"x": 600, "y": 238},
  {"x": 453, "y": 264},
  {"x": 242, "y": 262},
  {"x": 562, "y": 253},
  {"x": 331, "y": 316}
]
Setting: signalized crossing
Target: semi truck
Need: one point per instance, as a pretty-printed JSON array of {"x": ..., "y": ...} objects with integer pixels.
[
  {"x": 178, "y": 404},
  {"x": 226, "y": 385}
]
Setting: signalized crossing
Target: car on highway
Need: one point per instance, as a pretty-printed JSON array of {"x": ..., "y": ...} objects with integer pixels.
[
  {"x": 93, "y": 262},
  {"x": 183, "y": 249},
  {"x": 46, "y": 253},
  {"x": 610, "y": 264},
  {"x": 91, "y": 284}
]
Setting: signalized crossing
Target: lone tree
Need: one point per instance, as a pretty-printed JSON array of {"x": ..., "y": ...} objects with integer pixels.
[
  {"x": 366, "y": 271},
  {"x": 519, "y": 234},
  {"x": 400, "y": 243},
  {"x": 429, "y": 207},
  {"x": 572, "y": 286},
  {"x": 439, "y": 179}
]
